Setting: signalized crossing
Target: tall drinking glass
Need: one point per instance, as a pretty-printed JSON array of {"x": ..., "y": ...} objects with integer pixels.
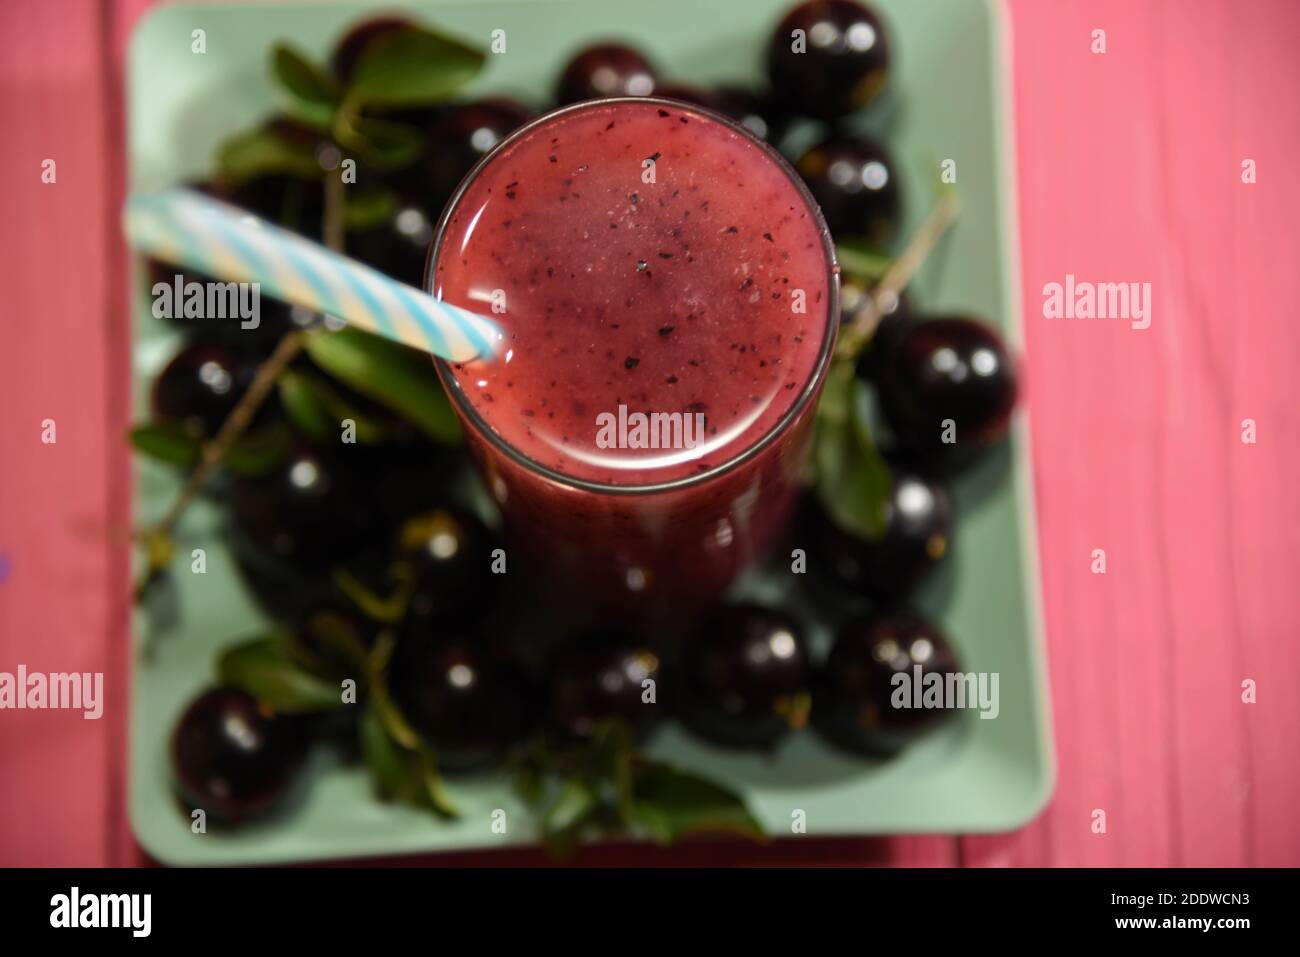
[{"x": 668, "y": 294}]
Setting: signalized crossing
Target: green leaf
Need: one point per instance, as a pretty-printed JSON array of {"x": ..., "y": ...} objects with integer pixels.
[
  {"x": 530, "y": 784},
  {"x": 369, "y": 208},
  {"x": 574, "y": 804},
  {"x": 325, "y": 641},
  {"x": 381, "y": 144},
  {"x": 253, "y": 453},
  {"x": 401, "y": 773},
  {"x": 395, "y": 723},
  {"x": 852, "y": 478},
  {"x": 859, "y": 259},
  {"x": 167, "y": 442},
  {"x": 383, "y": 757},
  {"x": 432, "y": 791},
  {"x": 668, "y": 804},
  {"x": 319, "y": 410},
  {"x": 264, "y": 152},
  {"x": 395, "y": 376},
  {"x": 600, "y": 785},
  {"x": 613, "y": 748},
  {"x": 258, "y": 451},
  {"x": 313, "y": 93},
  {"x": 412, "y": 67},
  {"x": 264, "y": 669},
  {"x": 304, "y": 406}
]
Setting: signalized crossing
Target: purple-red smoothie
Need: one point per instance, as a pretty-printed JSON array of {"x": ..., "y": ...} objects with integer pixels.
[{"x": 642, "y": 257}]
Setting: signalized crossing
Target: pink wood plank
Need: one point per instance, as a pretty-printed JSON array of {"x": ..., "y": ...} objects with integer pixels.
[
  {"x": 1264, "y": 531},
  {"x": 1130, "y": 170},
  {"x": 120, "y": 17},
  {"x": 55, "y": 504}
]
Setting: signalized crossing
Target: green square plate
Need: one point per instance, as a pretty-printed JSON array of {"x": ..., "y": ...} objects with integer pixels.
[{"x": 952, "y": 102}]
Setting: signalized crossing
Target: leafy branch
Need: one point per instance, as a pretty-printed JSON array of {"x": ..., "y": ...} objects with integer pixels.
[
  {"x": 852, "y": 480},
  {"x": 603, "y": 786},
  {"x": 409, "y": 66}
]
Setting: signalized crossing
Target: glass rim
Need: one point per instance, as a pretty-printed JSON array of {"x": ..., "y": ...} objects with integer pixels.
[{"x": 471, "y": 415}]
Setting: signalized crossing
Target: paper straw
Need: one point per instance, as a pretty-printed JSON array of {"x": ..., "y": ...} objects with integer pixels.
[{"x": 232, "y": 245}]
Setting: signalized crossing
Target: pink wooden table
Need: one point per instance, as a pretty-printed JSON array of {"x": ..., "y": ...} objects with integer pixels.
[{"x": 1129, "y": 169}]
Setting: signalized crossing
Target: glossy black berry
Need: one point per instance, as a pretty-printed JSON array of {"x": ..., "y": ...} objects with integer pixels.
[
  {"x": 459, "y": 137},
  {"x": 351, "y": 45},
  {"x": 917, "y": 536},
  {"x": 860, "y": 704},
  {"x": 828, "y": 58},
  {"x": 398, "y": 246},
  {"x": 294, "y": 131},
  {"x": 746, "y": 676},
  {"x": 852, "y": 179},
  {"x": 180, "y": 297},
  {"x": 233, "y": 757},
  {"x": 200, "y": 387},
  {"x": 759, "y": 115},
  {"x": 284, "y": 590},
  {"x": 466, "y": 702},
  {"x": 392, "y": 480},
  {"x": 895, "y": 311},
  {"x": 947, "y": 390},
  {"x": 686, "y": 92},
  {"x": 409, "y": 476},
  {"x": 309, "y": 512},
  {"x": 608, "y": 69},
  {"x": 896, "y": 317},
  {"x": 607, "y": 676},
  {"x": 449, "y": 553},
  {"x": 296, "y": 204}
]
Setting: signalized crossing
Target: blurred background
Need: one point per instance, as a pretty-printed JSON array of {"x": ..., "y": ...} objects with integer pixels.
[{"x": 1128, "y": 168}]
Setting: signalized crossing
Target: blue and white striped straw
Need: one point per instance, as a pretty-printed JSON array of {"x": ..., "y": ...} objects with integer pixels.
[{"x": 230, "y": 244}]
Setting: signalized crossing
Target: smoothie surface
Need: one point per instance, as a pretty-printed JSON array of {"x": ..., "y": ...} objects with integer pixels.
[{"x": 704, "y": 291}]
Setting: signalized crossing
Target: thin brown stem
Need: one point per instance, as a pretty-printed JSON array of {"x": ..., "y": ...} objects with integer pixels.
[
  {"x": 335, "y": 205},
  {"x": 859, "y": 330},
  {"x": 157, "y": 538},
  {"x": 235, "y": 425}
]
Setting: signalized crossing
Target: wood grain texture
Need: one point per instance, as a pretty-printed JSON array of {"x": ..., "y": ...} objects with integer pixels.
[
  {"x": 55, "y": 500},
  {"x": 1129, "y": 170}
]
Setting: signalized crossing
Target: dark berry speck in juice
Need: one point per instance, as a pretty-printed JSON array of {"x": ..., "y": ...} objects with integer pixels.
[{"x": 667, "y": 291}]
